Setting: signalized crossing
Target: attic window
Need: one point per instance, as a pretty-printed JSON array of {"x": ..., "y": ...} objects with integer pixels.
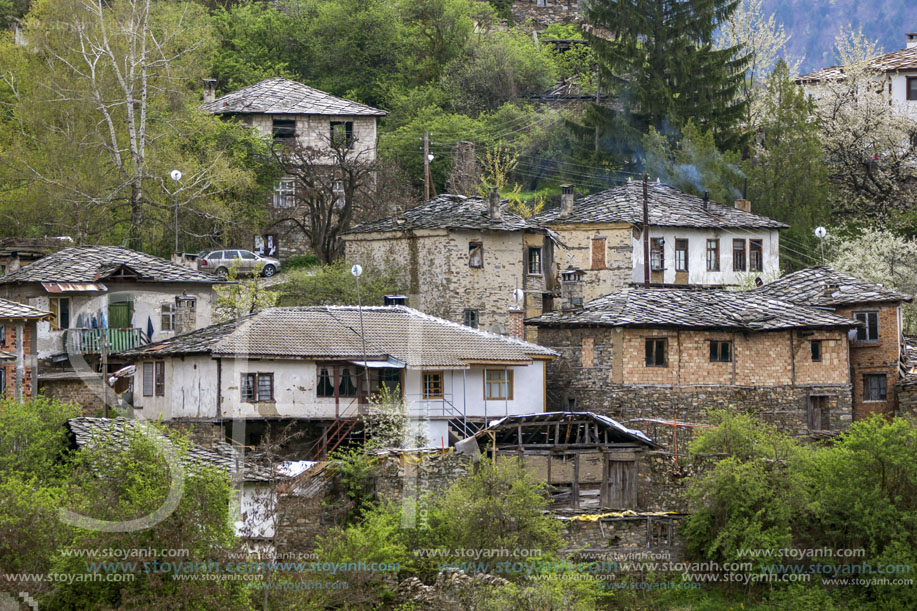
[
  {"x": 475, "y": 254},
  {"x": 284, "y": 129}
]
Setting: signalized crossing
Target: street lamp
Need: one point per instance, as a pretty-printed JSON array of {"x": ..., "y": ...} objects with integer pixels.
[{"x": 176, "y": 176}]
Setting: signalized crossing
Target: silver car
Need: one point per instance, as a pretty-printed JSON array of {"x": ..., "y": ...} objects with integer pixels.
[{"x": 219, "y": 262}]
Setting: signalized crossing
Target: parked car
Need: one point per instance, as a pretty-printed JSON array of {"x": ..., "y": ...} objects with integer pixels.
[{"x": 219, "y": 262}]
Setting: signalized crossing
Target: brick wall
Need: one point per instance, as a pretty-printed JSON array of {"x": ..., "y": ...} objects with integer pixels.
[
  {"x": 86, "y": 394},
  {"x": 875, "y": 358},
  {"x": 9, "y": 367}
]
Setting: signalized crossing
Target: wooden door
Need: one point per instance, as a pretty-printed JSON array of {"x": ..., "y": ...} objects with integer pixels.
[{"x": 620, "y": 487}]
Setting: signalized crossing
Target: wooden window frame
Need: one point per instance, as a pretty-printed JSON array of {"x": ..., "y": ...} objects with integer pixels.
[
  {"x": 816, "y": 348},
  {"x": 148, "y": 377},
  {"x": 716, "y": 254},
  {"x": 476, "y": 255},
  {"x": 54, "y": 304},
  {"x": 911, "y": 85},
  {"x": 348, "y": 132},
  {"x": 681, "y": 265},
  {"x": 423, "y": 385},
  {"x": 865, "y": 329},
  {"x": 471, "y": 315},
  {"x": 538, "y": 268},
  {"x": 716, "y": 354},
  {"x": 866, "y": 387},
  {"x": 657, "y": 254},
  {"x": 646, "y": 351},
  {"x": 283, "y": 130},
  {"x": 159, "y": 378},
  {"x": 508, "y": 381},
  {"x": 256, "y": 377},
  {"x": 167, "y": 315},
  {"x": 756, "y": 255},
  {"x": 739, "y": 255}
]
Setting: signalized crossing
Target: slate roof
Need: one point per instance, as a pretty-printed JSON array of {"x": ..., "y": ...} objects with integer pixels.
[
  {"x": 86, "y": 264},
  {"x": 668, "y": 207},
  {"x": 449, "y": 212},
  {"x": 333, "y": 332},
  {"x": 902, "y": 59},
  {"x": 700, "y": 309},
  {"x": 86, "y": 432},
  {"x": 825, "y": 287},
  {"x": 283, "y": 96},
  {"x": 13, "y": 309}
]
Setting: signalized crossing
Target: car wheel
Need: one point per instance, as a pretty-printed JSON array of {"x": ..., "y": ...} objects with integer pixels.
[
  {"x": 268, "y": 271},
  {"x": 222, "y": 273}
]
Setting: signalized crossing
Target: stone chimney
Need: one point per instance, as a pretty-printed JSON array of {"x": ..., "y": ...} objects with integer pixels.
[
  {"x": 566, "y": 200},
  {"x": 911, "y": 40},
  {"x": 13, "y": 263},
  {"x": 210, "y": 90},
  {"x": 493, "y": 204},
  {"x": 744, "y": 205},
  {"x": 706, "y": 199},
  {"x": 516, "y": 324}
]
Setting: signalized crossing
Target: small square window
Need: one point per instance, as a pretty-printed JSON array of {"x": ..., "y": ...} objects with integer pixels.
[
  {"x": 655, "y": 352},
  {"x": 534, "y": 261},
  {"x": 432, "y": 384},
  {"x": 342, "y": 133},
  {"x": 498, "y": 384},
  {"x": 869, "y": 332},
  {"x": 284, "y": 129},
  {"x": 472, "y": 318},
  {"x": 874, "y": 387},
  {"x": 720, "y": 352},
  {"x": 475, "y": 254},
  {"x": 816, "y": 350}
]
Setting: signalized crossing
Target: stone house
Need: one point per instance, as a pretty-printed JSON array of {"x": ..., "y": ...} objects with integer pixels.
[
  {"x": 900, "y": 76},
  {"x": 104, "y": 299},
  {"x": 876, "y": 347},
  {"x": 306, "y": 366},
  {"x": 18, "y": 359},
  {"x": 292, "y": 113},
  {"x": 670, "y": 354},
  {"x": 463, "y": 258}
]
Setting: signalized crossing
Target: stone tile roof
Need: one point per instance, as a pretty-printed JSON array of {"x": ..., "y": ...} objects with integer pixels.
[
  {"x": 449, "y": 212},
  {"x": 283, "y": 96},
  {"x": 617, "y": 432},
  {"x": 700, "y": 309},
  {"x": 333, "y": 332},
  {"x": 87, "y": 432},
  {"x": 668, "y": 207},
  {"x": 13, "y": 309},
  {"x": 95, "y": 263},
  {"x": 902, "y": 59},
  {"x": 825, "y": 287}
]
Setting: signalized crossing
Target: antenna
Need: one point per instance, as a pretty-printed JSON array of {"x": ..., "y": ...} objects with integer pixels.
[{"x": 820, "y": 233}]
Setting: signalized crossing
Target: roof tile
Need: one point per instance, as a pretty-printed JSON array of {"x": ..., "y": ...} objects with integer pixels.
[{"x": 283, "y": 96}]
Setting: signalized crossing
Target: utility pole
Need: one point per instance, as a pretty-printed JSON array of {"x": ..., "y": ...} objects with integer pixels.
[
  {"x": 426, "y": 165},
  {"x": 646, "y": 234},
  {"x": 176, "y": 176}
]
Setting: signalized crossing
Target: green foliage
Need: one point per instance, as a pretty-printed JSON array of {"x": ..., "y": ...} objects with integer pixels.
[
  {"x": 742, "y": 436},
  {"x": 355, "y": 468},
  {"x": 334, "y": 285},
  {"x": 301, "y": 262},
  {"x": 503, "y": 9},
  {"x": 243, "y": 296},
  {"x": 694, "y": 164},
  {"x": 387, "y": 423},
  {"x": 33, "y": 438},
  {"x": 550, "y": 592}
]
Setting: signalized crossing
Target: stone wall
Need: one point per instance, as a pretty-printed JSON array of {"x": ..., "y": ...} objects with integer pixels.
[
  {"x": 603, "y": 251},
  {"x": 85, "y": 393},
  {"x": 554, "y": 11},
  {"x": 9, "y": 367},
  {"x": 624, "y": 538},
  {"x": 907, "y": 397}
]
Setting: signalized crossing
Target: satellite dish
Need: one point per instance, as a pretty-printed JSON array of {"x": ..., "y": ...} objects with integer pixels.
[
  {"x": 519, "y": 294},
  {"x": 820, "y": 232},
  {"x": 176, "y": 175},
  {"x": 356, "y": 270}
]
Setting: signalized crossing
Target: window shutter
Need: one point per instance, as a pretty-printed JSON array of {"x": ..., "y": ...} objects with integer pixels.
[{"x": 148, "y": 379}]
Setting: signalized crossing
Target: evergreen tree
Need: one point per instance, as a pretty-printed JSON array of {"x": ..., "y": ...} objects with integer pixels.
[{"x": 657, "y": 58}]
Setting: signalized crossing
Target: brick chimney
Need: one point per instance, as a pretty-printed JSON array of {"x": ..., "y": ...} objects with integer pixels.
[
  {"x": 743, "y": 204},
  {"x": 493, "y": 204},
  {"x": 210, "y": 90},
  {"x": 566, "y": 200},
  {"x": 516, "y": 324},
  {"x": 911, "y": 40}
]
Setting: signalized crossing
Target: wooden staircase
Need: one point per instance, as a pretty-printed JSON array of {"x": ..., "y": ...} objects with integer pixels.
[{"x": 334, "y": 436}]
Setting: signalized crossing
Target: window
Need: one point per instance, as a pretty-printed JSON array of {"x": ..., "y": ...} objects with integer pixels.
[
  {"x": 160, "y": 373},
  {"x": 168, "y": 316},
  {"x": 284, "y": 129},
  {"x": 720, "y": 352},
  {"x": 713, "y": 255},
  {"x": 738, "y": 255},
  {"x": 257, "y": 387},
  {"x": 498, "y": 384},
  {"x": 598, "y": 253},
  {"x": 534, "y": 261},
  {"x": 475, "y": 254},
  {"x": 347, "y": 387},
  {"x": 342, "y": 133},
  {"x": 471, "y": 318},
  {"x": 432, "y": 384},
  {"x": 657, "y": 254},
  {"x": 148, "y": 379},
  {"x": 2, "y": 381},
  {"x": 2, "y": 335},
  {"x": 869, "y": 332},
  {"x": 815, "y": 344},
  {"x": 912, "y": 88},
  {"x": 285, "y": 193},
  {"x": 681, "y": 255},
  {"x": 325, "y": 383},
  {"x": 655, "y": 352},
  {"x": 755, "y": 256},
  {"x": 874, "y": 387},
  {"x": 60, "y": 313}
]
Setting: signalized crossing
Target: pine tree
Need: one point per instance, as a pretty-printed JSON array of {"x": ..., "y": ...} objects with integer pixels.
[{"x": 657, "y": 58}]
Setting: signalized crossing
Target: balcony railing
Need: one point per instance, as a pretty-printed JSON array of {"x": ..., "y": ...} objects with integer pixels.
[{"x": 90, "y": 341}]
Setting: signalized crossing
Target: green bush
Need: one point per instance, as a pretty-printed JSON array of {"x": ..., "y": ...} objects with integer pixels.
[{"x": 301, "y": 262}]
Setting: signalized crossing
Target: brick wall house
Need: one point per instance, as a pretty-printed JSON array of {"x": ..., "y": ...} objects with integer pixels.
[
  {"x": 669, "y": 355},
  {"x": 875, "y": 348},
  {"x": 18, "y": 360}
]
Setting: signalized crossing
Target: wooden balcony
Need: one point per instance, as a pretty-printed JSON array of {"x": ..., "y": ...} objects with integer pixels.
[{"x": 91, "y": 341}]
